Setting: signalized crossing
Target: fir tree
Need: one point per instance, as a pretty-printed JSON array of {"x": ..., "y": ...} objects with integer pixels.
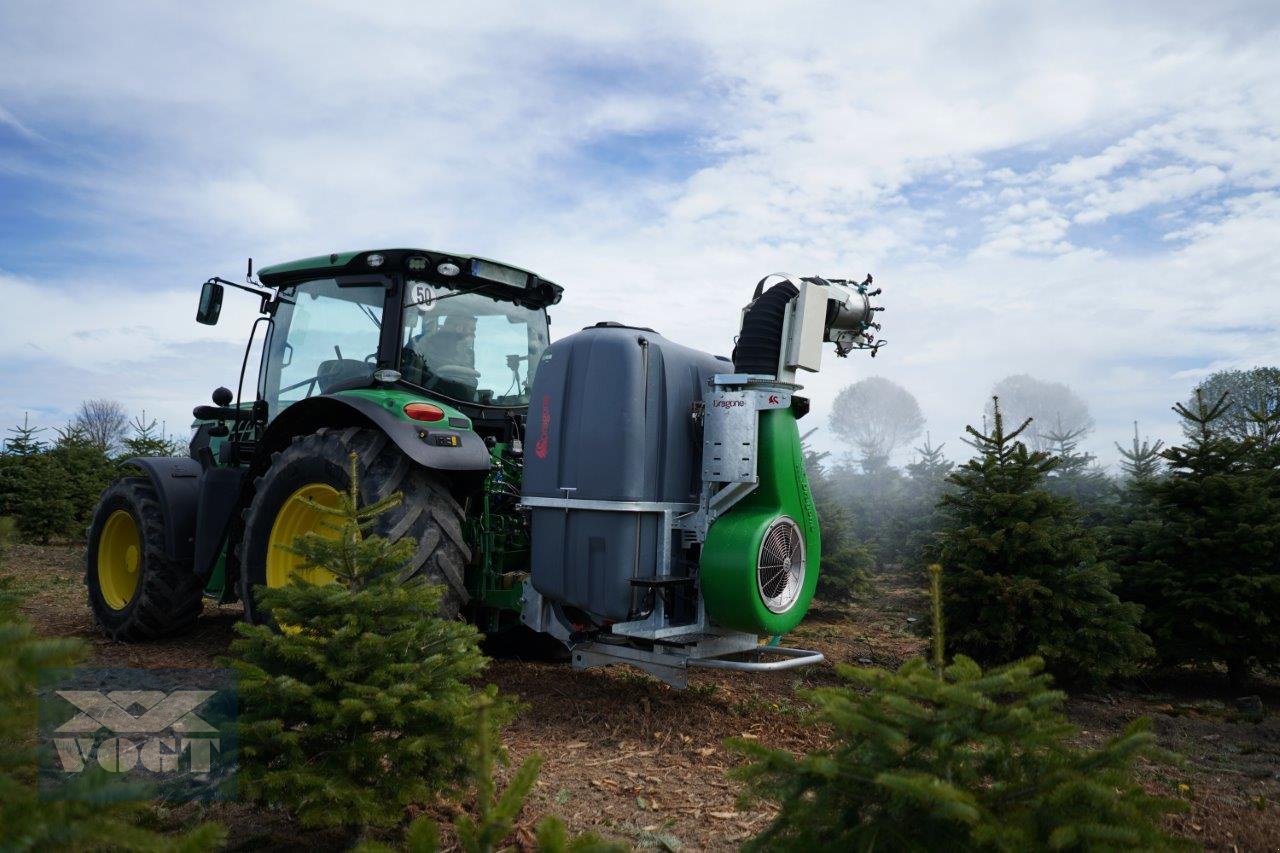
[
  {"x": 1141, "y": 461},
  {"x": 844, "y": 573},
  {"x": 917, "y": 519},
  {"x": 1133, "y": 520},
  {"x": 1077, "y": 475},
  {"x": 87, "y": 470},
  {"x": 23, "y": 445},
  {"x": 1024, "y": 576},
  {"x": 1206, "y": 566},
  {"x": 26, "y": 438},
  {"x": 931, "y": 465},
  {"x": 938, "y": 757},
  {"x": 38, "y": 494},
  {"x": 146, "y": 439},
  {"x": 360, "y": 705},
  {"x": 96, "y": 813}
]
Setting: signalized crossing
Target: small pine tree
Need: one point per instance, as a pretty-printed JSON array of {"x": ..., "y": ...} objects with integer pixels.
[
  {"x": 147, "y": 439},
  {"x": 39, "y": 496},
  {"x": 931, "y": 464},
  {"x": 96, "y": 814},
  {"x": 361, "y": 704},
  {"x": 16, "y": 476},
  {"x": 1077, "y": 475},
  {"x": 1206, "y": 565},
  {"x": 1026, "y": 577},
  {"x": 26, "y": 438},
  {"x": 918, "y": 519},
  {"x": 1133, "y": 520},
  {"x": 1141, "y": 461},
  {"x": 88, "y": 471},
  {"x": 937, "y": 756},
  {"x": 844, "y": 573}
]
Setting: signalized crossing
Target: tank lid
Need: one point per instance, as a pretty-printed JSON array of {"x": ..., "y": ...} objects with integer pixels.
[{"x": 613, "y": 324}]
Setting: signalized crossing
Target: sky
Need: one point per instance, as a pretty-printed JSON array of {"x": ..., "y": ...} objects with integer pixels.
[{"x": 1086, "y": 192}]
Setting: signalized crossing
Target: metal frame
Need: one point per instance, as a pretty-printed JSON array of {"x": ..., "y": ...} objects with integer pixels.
[
  {"x": 655, "y": 625},
  {"x": 793, "y": 658},
  {"x": 654, "y": 645},
  {"x": 669, "y": 662}
]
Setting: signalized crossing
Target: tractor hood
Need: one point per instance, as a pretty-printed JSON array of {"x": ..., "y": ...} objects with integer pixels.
[{"x": 463, "y": 272}]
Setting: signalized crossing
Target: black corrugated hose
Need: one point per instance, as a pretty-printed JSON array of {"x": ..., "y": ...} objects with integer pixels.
[{"x": 760, "y": 340}]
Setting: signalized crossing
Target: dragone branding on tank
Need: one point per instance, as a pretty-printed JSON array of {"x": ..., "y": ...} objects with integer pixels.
[{"x": 728, "y": 404}]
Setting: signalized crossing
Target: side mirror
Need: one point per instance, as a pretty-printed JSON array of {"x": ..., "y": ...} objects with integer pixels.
[{"x": 210, "y": 303}]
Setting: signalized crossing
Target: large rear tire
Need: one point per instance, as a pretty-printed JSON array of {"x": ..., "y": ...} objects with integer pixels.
[
  {"x": 315, "y": 467},
  {"x": 135, "y": 591}
]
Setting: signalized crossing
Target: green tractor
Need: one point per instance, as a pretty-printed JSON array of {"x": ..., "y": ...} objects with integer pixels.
[{"x": 639, "y": 501}]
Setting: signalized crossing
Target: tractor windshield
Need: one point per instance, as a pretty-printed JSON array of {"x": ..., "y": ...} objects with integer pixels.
[
  {"x": 324, "y": 335},
  {"x": 469, "y": 346}
]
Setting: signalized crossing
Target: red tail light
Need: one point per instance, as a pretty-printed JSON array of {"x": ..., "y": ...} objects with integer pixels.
[{"x": 424, "y": 412}]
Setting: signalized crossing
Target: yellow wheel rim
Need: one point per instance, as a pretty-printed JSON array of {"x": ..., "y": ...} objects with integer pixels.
[
  {"x": 119, "y": 559},
  {"x": 293, "y": 520}
]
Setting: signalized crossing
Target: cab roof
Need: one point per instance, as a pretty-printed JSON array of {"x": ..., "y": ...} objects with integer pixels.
[{"x": 471, "y": 271}]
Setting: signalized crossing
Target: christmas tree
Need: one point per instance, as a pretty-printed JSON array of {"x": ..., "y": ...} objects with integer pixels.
[
  {"x": 361, "y": 703},
  {"x": 1206, "y": 564},
  {"x": 25, "y": 439},
  {"x": 918, "y": 519},
  {"x": 1077, "y": 475},
  {"x": 38, "y": 494},
  {"x": 844, "y": 573},
  {"x": 1024, "y": 576},
  {"x": 87, "y": 471},
  {"x": 147, "y": 439},
  {"x": 943, "y": 756},
  {"x": 1141, "y": 461},
  {"x": 1132, "y": 522}
]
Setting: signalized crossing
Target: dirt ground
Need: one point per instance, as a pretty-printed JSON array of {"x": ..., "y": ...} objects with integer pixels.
[{"x": 632, "y": 759}]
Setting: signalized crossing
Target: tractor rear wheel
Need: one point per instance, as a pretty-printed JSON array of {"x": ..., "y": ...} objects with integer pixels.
[
  {"x": 315, "y": 468},
  {"x": 135, "y": 591}
]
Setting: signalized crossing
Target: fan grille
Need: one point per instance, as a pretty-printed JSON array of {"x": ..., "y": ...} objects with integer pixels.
[{"x": 780, "y": 568}]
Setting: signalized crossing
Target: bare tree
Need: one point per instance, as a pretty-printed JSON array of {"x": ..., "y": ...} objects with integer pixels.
[
  {"x": 102, "y": 422},
  {"x": 1253, "y": 404},
  {"x": 877, "y": 416},
  {"x": 1053, "y": 407}
]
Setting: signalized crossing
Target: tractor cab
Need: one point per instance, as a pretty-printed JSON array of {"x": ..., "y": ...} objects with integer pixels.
[{"x": 466, "y": 330}]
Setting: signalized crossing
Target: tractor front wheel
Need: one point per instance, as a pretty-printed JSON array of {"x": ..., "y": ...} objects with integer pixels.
[
  {"x": 135, "y": 591},
  {"x": 314, "y": 469}
]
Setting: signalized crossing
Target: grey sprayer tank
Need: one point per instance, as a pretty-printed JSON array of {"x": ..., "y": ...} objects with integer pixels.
[{"x": 610, "y": 419}]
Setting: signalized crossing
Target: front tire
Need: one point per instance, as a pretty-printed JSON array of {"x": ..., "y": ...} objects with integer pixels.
[
  {"x": 135, "y": 591},
  {"x": 316, "y": 467}
]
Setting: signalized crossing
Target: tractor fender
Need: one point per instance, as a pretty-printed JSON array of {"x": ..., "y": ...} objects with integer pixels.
[
  {"x": 177, "y": 483},
  {"x": 418, "y": 440}
]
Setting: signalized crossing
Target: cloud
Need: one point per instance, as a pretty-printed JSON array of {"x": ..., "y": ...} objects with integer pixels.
[{"x": 1081, "y": 191}]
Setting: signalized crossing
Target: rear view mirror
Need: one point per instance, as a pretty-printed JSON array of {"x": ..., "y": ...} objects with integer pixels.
[{"x": 210, "y": 303}]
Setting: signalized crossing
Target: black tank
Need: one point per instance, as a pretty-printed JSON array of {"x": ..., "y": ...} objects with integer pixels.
[{"x": 610, "y": 419}]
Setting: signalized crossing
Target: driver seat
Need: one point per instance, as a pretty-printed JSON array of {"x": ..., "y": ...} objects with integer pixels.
[{"x": 335, "y": 372}]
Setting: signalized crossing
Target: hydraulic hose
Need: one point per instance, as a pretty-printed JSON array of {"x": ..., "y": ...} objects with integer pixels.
[{"x": 760, "y": 339}]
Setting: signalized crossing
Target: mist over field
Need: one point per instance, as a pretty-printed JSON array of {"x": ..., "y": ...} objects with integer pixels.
[{"x": 1083, "y": 193}]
